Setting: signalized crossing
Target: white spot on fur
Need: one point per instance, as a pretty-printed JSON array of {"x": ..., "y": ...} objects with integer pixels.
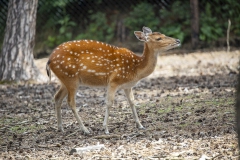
[
  {"x": 102, "y": 74},
  {"x": 91, "y": 71}
]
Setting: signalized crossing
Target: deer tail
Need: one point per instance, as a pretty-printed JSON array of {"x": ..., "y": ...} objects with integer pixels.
[{"x": 48, "y": 71}]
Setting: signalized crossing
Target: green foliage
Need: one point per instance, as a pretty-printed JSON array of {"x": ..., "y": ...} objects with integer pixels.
[
  {"x": 100, "y": 23},
  {"x": 142, "y": 15},
  {"x": 214, "y": 19},
  {"x": 58, "y": 25},
  {"x": 176, "y": 22},
  {"x": 174, "y": 31},
  {"x": 209, "y": 32},
  {"x": 64, "y": 32},
  {"x": 60, "y": 3},
  {"x": 98, "y": 29},
  {"x": 230, "y": 10}
]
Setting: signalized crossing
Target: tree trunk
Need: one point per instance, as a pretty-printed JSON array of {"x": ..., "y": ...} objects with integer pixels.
[
  {"x": 194, "y": 23},
  {"x": 121, "y": 31},
  {"x": 16, "y": 59}
]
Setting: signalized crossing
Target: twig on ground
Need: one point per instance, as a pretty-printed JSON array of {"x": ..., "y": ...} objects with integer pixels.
[
  {"x": 73, "y": 133},
  {"x": 132, "y": 135},
  {"x": 216, "y": 156},
  {"x": 100, "y": 157},
  {"x": 107, "y": 136},
  {"x": 88, "y": 148},
  {"x": 51, "y": 145}
]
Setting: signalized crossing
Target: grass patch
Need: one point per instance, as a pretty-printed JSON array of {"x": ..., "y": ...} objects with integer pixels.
[
  {"x": 165, "y": 110},
  {"x": 19, "y": 125}
]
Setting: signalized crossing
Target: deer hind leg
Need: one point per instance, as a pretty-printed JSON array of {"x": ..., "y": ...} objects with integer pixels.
[
  {"x": 130, "y": 98},
  {"x": 72, "y": 103},
  {"x": 59, "y": 96},
  {"x": 109, "y": 101}
]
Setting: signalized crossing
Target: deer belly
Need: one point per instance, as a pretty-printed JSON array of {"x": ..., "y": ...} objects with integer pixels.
[
  {"x": 94, "y": 81},
  {"x": 128, "y": 85}
]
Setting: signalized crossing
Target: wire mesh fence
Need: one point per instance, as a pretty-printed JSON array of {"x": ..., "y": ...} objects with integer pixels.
[
  {"x": 3, "y": 16},
  {"x": 102, "y": 20},
  {"x": 114, "y": 21}
]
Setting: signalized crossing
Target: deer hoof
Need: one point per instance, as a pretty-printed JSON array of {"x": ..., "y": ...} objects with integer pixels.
[{"x": 60, "y": 129}]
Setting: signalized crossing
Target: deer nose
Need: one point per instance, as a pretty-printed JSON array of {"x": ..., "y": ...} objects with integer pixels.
[{"x": 178, "y": 41}]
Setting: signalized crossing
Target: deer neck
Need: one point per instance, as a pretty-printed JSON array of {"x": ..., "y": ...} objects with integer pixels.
[{"x": 148, "y": 61}]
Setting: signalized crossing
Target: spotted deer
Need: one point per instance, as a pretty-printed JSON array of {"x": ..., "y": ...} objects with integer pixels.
[{"x": 97, "y": 64}]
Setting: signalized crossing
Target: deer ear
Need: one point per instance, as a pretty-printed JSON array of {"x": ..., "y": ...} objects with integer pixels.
[
  {"x": 140, "y": 35},
  {"x": 146, "y": 30}
]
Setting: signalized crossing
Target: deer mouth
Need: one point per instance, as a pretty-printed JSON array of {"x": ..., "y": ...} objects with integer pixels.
[{"x": 176, "y": 44}]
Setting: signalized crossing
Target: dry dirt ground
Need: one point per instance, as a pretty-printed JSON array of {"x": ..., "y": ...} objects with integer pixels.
[{"x": 186, "y": 105}]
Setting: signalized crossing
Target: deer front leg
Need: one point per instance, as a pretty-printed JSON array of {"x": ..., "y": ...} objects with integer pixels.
[
  {"x": 109, "y": 101},
  {"x": 130, "y": 98}
]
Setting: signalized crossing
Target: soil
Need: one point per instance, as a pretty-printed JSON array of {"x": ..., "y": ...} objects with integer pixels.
[{"x": 186, "y": 106}]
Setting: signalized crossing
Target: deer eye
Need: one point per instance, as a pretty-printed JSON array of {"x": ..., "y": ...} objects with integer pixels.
[{"x": 158, "y": 39}]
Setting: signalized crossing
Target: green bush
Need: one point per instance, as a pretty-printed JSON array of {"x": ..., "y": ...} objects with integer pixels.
[
  {"x": 98, "y": 29},
  {"x": 97, "y": 23},
  {"x": 142, "y": 15},
  {"x": 210, "y": 28},
  {"x": 176, "y": 21},
  {"x": 64, "y": 32},
  {"x": 230, "y": 10},
  {"x": 58, "y": 27}
]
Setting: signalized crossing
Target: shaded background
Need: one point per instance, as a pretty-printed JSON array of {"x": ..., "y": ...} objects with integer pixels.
[{"x": 114, "y": 21}]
